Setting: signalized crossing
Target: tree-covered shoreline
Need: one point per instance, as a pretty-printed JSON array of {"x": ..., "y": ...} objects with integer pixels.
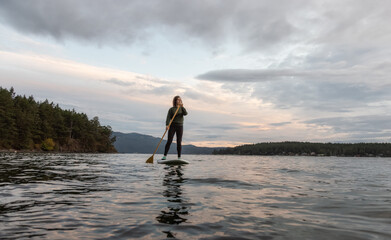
[
  {"x": 28, "y": 125},
  {"x": 311, "y": 149}
]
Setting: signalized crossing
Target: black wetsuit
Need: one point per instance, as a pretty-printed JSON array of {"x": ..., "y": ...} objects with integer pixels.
[{"x": 175, "y": 128}]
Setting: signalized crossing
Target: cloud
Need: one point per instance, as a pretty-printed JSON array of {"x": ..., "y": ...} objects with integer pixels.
[
  {"x": 321, "y": 95},
  {"x": 245, "y": 75},
  {"x": 373, "y": 71},
  {"x": 257, "y": 24},
  {"x": 162, "y": 87},
  {"x": 120, "y": 82},
  {"x": 201, "y": 94},
  {"x": 334, "y": 29},
  {"x": 334, "y": 89},
  {"x": 213, "y": 136},
  {"x": 280, "y": 124},
  {"x": 365, "y": 123},
  {"x": 264, "y": 75},
  {"x": 365, "y": 127}
]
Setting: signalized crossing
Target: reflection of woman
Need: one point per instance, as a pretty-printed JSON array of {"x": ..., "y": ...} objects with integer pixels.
[
  {"x": 176, "y": 125},
  {"x": 177, "y": 207}
]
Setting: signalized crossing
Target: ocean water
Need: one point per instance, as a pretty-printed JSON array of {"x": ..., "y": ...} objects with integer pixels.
[{"x": 119, "y": 196}]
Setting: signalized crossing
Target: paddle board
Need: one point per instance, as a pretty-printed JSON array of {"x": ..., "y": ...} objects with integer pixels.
[{"x": 172, "y": 161}]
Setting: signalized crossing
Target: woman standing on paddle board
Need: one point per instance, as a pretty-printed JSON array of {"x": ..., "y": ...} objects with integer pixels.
[{"x": 176, "y": 125}]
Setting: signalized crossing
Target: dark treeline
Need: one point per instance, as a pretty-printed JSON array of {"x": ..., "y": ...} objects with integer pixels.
[
  {"x": 26, "y": 124},
  {"x": 313, "y": 149}
]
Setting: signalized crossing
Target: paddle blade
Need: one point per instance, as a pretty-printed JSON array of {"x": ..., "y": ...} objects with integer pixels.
[{"x": 150, "y": 160}]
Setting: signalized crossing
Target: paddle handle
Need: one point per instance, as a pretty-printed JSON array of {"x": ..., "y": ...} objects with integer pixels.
[{"x": 165, "y": 131}]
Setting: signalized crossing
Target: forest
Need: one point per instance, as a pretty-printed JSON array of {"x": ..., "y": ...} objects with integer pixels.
[
  {"x": 28, "y": 125},
  {"x": 311, "y": 149}
]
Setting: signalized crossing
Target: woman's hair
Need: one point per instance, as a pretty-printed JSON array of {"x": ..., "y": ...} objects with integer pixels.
[{"x": 174, "y": 100}]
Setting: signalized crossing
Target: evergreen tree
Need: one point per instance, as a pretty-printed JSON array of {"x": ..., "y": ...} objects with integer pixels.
[
  {"x": 306, "y": 148},
  {"x": 8, "y": 130},
  {"x": 26, "y": 125}
]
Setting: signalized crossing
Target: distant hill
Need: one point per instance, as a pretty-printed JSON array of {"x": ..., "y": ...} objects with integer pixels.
[{"x": 140, "y": 143}]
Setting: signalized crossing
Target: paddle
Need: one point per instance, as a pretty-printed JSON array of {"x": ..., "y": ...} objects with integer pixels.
[{"x": 150, "y": 160}]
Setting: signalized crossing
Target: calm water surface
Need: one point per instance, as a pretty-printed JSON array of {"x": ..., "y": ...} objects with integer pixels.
[{"x": 118, "y": 196}]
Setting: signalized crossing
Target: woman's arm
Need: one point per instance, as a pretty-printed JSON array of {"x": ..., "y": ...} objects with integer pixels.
[
  {"x": 169, "y": 116},
  {"x": 184, "y": 112}
]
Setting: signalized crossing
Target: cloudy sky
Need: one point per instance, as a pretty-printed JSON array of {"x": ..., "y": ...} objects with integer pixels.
[{"x": 247, "y": 71}]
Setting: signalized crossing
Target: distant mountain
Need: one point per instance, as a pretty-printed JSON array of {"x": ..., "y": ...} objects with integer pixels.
[{"x": 140, "y": 143}]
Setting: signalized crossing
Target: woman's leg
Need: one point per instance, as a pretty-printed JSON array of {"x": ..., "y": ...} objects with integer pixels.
[
  {"x": 171, "y": 133},
  {"x": 179, "y": 134}
]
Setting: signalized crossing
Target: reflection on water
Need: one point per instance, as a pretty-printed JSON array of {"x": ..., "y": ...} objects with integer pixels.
[{"x": 177, "y": 208}]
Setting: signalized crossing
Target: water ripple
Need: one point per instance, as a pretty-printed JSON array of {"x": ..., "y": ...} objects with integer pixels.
[{"x": 118, "y": 196}]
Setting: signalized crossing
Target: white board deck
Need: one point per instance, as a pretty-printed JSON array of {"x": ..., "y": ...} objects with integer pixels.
[{"x": 172, "y": 161}]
